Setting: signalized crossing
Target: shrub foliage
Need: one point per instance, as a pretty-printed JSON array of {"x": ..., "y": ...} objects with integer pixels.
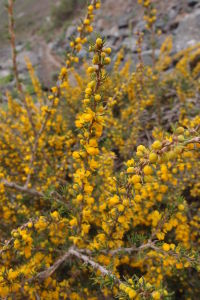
[{"x": 100, "y": 178}]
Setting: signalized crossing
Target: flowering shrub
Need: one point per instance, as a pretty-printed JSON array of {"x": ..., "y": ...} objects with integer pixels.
[{"x": 99, "y": 179}]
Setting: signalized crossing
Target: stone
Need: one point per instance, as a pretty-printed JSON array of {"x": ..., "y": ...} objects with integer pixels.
[
  {"x": 19, "y": 47},
  {"x": 129, "y": 43},
  {"x": 140, "y": 26},
  {"x": 112, "y": 32},
  {"x": 100, "y": 24},
  {"x": 71, "y": 30},
  {"x": 192, "y": 3},
  {"x": 6, "y": 63},
  {"x": 125, "y": 32},
  {"x": 146, "y": 56},
  {"x": 21, "y": 59},
  {"x": 82, "y": 53},
  {"x": 161, "y": 24},
  {"x": 4, "y": 73},
  {"x": 188, "y": 33},
  {"x": 124, "y": 20},
  {"x": 173, "y": 13}
]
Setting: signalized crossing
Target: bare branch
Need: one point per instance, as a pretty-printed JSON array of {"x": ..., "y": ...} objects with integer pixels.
[
  {"x": 132, "y": 249},
  {"x": 129, "y": 250},
  {"x": 195, "y": 140},
  {"x": 174, "y": 254},
  {"x": 95, "y": 265},
  {"x": 74, "y": 252},
  {"x": 14, "y": 62},
  {"x": 48, "y": 272},
  {"x": 22, "y": 188},
  {"x": 12, "y": 42},
  {"x": 8, "y": 242}
]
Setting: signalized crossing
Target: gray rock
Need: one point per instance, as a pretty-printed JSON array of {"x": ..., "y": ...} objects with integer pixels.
[
  {"x": 70, "y": 31},
  {"x": 4, "y": 73},
  {"x": 124, "y": 32},
  {"x": 19, "y": 47},
  {"x": 99, "y": 24},
  {"x": 82, "y": 53},
  {"x": 188, "y": 33},
  {"x": 146, "y": 56},
  {"x": 125, "y": 20},
  {"x": 161, "y": 24},
  {"x": 6, "y": 63},
  {"x": 129, "y": 43},
  {"x": 140, "y": 26},
  {"x": 173, "y": 13},
  {"x": 112, "y": 32},
  {"x": 112, "y": 42},
  {"x": 21, "y": 59},
  {"x": 192, "y": 3}
]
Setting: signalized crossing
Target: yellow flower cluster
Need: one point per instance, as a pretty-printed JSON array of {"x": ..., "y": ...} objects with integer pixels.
[{"x": 96, "y": 181}]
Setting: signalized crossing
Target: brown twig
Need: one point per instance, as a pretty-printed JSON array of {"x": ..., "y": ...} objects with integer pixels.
[
  {"x": 48, "y": 272},
  {"x": 174, "y": 254},
  {"x": 74, "y": 252},
  {"x": 11, "y": 25},
  {"x": 132, "y": 249},
  {"x": 95, "y": 265},
  {"x": 195, "y": 140},
  {"x": 20, "y": 188},
  {"x": 8, "y": 242},
  {"x": 13, "y": 47}
]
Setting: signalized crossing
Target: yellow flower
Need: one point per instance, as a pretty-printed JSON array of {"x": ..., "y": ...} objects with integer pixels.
[
  {"x": 153, "y": 157},
  {"x": 90, "y": 8},
  {"x": 132, "y": 294},
  {"x": 108, "y": 50},
  {"x": 148, "y": 170},
  {"x": 97, "y": 97},
  {"x": 135, "y": 179},
  {"x": 130, "y": 170},
  {"x": 92, "y": 150},
  {"x": 73, "y": 222},
  {"x": 55, "y": 215},
  {"x": 157, "y": 145},
  {"x": 90, "y": 69},
  {"x": 166, "y": 247},
  {"x": 99, "y": 42},
  {"x": 76, "y": 155},
  {"x": 107, "y": 60},
  {"x": 156, "y": 295},
  {"x": 181, "y": 207}
]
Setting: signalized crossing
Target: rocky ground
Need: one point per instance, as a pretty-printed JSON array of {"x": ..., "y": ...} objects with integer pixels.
[{"x": 118, "y": 21}]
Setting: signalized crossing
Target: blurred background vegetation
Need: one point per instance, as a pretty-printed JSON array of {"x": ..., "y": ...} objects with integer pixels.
[{"x": 35, "y": 16}]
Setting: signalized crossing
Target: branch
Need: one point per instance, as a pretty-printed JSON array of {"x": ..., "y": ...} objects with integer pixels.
[
  {"x": 95, "y": 265},
  {"x": 88, "y": 261},
  {"x": 174, "y": 254},
  {"x": 74, "y": 252},
  {"x": 129, "y": 250},
  {"x": 32, "y": 192},
  {"x": 8, "y": 242},
  {"x": 11, "y": 25},
  {"x": 48, "y": 272},
  {"x": 22, "y": 188},
  {"x": 132, "y": 249},
  {"x": 13, "y": 46},
  {"x": 195, "y": 140}
]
